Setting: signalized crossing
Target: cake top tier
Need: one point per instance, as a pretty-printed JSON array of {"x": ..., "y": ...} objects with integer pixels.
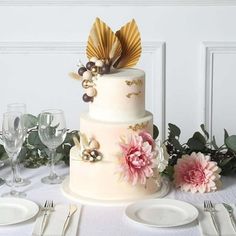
[
  {"x": 108, "y": 52},
  {"x": 120, "y": 96}
]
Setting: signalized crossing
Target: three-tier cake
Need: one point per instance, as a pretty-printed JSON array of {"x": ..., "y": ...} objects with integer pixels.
[{"x": 115, "y": 157}]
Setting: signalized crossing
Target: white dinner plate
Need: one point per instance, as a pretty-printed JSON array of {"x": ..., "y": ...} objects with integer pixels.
[
  {"x": 161, "y": 212},
  {"x": 16, "y": 210}
]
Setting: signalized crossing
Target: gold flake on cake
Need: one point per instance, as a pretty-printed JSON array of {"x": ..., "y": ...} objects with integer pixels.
[
  {"x": 140, "y": 126},
  {"x": 137, "y": 82},
  {"x": 129, "y": 95}
]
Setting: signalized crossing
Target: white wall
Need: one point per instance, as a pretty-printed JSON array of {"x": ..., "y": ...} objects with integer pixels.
[{"x": 41, "y": 41}]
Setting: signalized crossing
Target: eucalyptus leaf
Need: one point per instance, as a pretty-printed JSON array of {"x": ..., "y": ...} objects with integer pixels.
[
  {"x": 226, "y": 161},
  {"x": 213, "y": 142},
  {"x": 2, "y": 149},
  {"x": 176, "y": 144},
  {"x": 195, "y": 144},
  {"x": 174, "y": 131},
  {"x": 3, "y": 156},
  {"x": 198, "y": 136},
  {"x": 30, "y": 121},
  {"x": 226, "y": 135},
  {"x": 231, "y": 142},
  {"x": 22, "y": 154},
  {"x": 34, "y": 140},
  {"x": 204, "y": 130},
  {"x": 155, "y": 132}
]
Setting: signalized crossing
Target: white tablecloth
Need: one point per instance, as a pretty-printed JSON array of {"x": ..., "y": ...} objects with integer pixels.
[{"x": 108, "y": 221}]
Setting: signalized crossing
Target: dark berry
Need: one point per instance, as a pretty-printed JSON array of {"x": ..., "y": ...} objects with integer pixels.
[
  {"x": 86, "y": 98},
  {"x": 89, "y": 65},
  {"x": 81, "y": 70},
  {"x": 105, "y": 69},
  {"x": 94, "y": 153}
]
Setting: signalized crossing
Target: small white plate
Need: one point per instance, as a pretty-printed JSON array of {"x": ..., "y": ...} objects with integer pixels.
[
  {"x": 161, "y": 212},
  {"x": 16, "y": 210}
]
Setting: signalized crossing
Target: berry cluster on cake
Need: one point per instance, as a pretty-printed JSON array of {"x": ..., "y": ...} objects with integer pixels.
[{"x": 116, "y": 157}]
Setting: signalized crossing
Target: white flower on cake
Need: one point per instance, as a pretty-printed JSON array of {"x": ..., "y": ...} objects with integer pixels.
[{"x": 162, "y": 156}]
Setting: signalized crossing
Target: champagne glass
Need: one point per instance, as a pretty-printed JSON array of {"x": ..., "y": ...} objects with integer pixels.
[
  {"x": 52, "y": 132},
  {"x": 20, "y": 181},
  {"x": 13, "y": 138}
]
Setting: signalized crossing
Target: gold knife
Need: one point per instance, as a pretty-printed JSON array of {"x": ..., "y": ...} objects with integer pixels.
[{"x": 72, "y": 210}]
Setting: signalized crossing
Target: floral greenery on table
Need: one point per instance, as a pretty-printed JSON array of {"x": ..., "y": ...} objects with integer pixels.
[
  {"x": 35, "y": 154},
  {"x": 224, "y": 155}
]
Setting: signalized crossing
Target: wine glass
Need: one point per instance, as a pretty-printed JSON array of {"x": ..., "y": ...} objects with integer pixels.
[
  {"x": 13, "y": 138},
  {"x": 19, "y": 107},
  {"x": 52, "y": 132}
]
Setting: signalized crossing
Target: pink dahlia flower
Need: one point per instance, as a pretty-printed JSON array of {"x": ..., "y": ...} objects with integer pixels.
[
  {"x": 147, "y": 137},
  {"x": 137, "y": 161},
  {"x": 196, "y": 173}
]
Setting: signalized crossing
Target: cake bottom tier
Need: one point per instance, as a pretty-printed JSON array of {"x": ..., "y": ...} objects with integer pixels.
[{"x": 101, "y": 180}]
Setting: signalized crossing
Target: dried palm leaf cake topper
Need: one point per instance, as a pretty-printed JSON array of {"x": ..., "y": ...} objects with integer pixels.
[
  {"x": 121, "y": 49},
  {"x": 107, "y": 50}
]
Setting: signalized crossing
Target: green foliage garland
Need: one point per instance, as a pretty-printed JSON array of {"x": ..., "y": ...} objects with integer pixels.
[
  {"x": 224, "y": 155},
  {"x": 35, "y": 154}
]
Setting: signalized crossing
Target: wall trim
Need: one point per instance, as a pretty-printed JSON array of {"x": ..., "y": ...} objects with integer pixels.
[
  {"x": 156, "y": 49},
  {"x": 117, "y": 2},
  {"x": 210, "y": 49}
]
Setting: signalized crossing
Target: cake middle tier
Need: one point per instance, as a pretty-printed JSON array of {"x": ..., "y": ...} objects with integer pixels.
[
  {"x": 108, "y": 134},
  {"x": 120, "y": 96}
]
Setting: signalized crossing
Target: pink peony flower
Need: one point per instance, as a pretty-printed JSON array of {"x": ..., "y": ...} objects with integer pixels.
[
  {"x": 137, "y": 161},
  {"x": 196, "y": 173}
]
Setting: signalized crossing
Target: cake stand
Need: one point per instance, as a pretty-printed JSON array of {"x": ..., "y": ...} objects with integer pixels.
[{"x": 164, "y": 189}]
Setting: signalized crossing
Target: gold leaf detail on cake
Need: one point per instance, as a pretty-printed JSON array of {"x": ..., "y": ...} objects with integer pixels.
[
  {"x": 129, "y": 95},
  {"x": 130, "y": 40},
  {"x": 103, "y": 43},
  {"x": 137, "y": 127},
  {"x": 138, "y": 82},
  {"x": 76, "y": 76}
]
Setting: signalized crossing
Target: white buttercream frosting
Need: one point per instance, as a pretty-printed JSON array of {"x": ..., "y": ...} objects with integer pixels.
[{"x": 120, "y": 96}]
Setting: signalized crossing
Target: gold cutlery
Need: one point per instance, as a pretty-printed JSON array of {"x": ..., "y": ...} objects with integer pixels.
[
  {"x": 230, "y": 211},
  {"x": 72, "y": 210},
  {"x": 47, "y": 208},
  {"x": 208, "y": 207}
]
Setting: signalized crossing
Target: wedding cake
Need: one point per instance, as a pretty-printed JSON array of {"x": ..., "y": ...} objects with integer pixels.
[{"x": 115, "y": 157}]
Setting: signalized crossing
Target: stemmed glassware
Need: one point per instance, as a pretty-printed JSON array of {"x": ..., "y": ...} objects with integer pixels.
[
  {"x": 19, "y": 107},
  {"x": 13, "y": 138},
  {"x": 52, "y": 132}
]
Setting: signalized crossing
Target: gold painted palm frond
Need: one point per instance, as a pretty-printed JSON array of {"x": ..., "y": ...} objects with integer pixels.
[
  {"x": 103, "y": 43},
  {"x": 130, "y": 40}
]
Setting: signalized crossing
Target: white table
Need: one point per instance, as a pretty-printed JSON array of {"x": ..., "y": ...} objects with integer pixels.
[{"x": 108, "y": 221}]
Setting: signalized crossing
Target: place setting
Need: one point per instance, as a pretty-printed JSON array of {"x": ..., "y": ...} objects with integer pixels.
[{"x": 117, "y": 159}]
